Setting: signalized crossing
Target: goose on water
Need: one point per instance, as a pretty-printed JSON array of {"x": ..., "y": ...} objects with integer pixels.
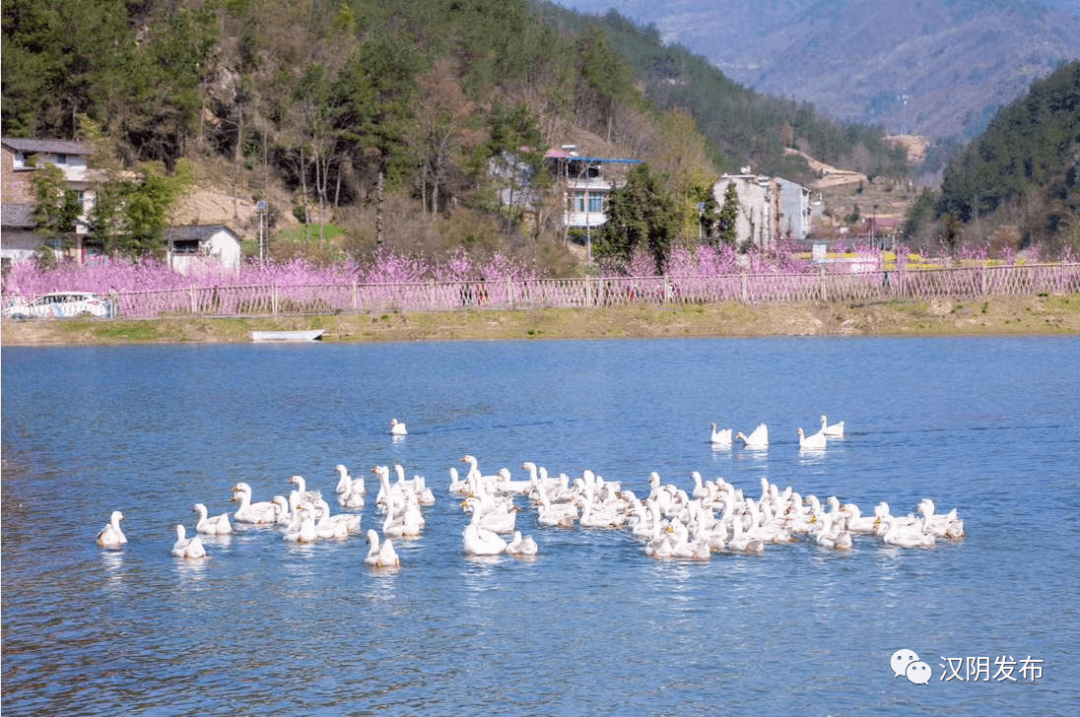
[
  {"x": 522, "y": 546},
  {"x": 720, "y": 437},
  {"x": 835, "y": 430},
  {"x": 758, "y": 438},
  {"x": 185, "y": 547},
  {"x": 111, "y": 536},
  {"x": 216, "y": 525},
  {"x": 814, "y": 441},
  {"x": 381, "y": 555}
]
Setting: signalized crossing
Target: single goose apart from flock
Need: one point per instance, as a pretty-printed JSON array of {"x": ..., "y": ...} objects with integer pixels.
[
  {"x": 835, "y": 430},
  {"x": 217, "y": 525},
  {"x": 188, "y": 548},
  {"x": 111, "y": 536},
  {"x": 720, "y": 437},
  {"x": 813, "y": 442},
  {"x": 758, "y": 438},
  {"x": 397, "y": 428}
]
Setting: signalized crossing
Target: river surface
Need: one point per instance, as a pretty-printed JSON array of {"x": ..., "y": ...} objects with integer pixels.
[{"x": 591, "y": 626}]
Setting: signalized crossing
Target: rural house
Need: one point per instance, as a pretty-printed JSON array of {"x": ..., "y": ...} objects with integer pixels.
[
  {"x": 188, "y": 245},
  {"x": 771, "y": 210},
  {"x": 20, "y": 158}
]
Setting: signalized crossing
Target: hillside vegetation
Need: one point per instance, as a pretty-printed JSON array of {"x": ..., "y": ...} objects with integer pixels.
[
  {"x": 1018, "y": 185},
  {"x": 938, "y": 68},
  {"x": 385, "y": 118}
]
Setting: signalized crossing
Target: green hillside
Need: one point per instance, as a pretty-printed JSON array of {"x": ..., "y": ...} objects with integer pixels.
[
  {"x": 337, "y": 112},
  {"x": 1016, "y": 186}
]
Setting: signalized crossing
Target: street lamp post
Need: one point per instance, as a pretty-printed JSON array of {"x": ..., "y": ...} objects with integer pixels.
[{"x": 260, "y": 209}]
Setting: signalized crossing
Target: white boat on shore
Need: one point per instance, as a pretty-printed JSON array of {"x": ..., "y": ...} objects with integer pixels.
[{"x": 265, "y": 336}]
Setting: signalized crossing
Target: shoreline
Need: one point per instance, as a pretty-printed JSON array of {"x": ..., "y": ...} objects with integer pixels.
[{"x": 1040, "y": 315}]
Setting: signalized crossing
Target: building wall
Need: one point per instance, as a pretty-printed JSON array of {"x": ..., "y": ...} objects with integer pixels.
[
  {"x": 586, "y": 203},
  {"x": 222, "y": 248},
  {"x": 754, "y": 220},
  {"x": 770, "y": 209},
  {"x": 19, "y": 243},
  {"x": 793, "y": 210}
]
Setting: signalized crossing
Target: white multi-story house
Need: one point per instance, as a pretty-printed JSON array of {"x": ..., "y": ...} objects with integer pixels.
[
  {"x": 585, "y": 187},
  {"x": 20, "y": 158},
  {"x": 771, "y": 210}
]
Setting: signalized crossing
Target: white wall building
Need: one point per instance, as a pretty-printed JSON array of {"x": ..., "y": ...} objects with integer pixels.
[
  {"x": 771, "y": 210},
  {"x": 19, "y": 159},
  {"x": 189, "y": 246}
]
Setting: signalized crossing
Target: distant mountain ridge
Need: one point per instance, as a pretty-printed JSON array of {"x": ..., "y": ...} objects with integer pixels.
[{"x": 954, "y": 61}]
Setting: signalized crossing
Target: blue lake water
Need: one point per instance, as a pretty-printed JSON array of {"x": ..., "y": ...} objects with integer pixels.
[{"x": 591, "y": 626}]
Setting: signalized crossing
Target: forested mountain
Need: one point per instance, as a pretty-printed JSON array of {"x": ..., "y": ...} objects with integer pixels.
[
  {"x": 332, "y": 110},
  {"x": 939, "y": 68},
  {"x": 1018, "y": 184}
]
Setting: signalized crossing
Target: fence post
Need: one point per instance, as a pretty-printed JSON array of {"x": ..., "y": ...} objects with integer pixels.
[
  {"x": 355, "y": 306},
  {"x": 821, "y": 283},
  {"x": 273, "y": 299},
  {"x": 982, "y": 277},
  {"x": 510, "y": 292},
  {"x": 745, "y": 298},
  {"x": 191, "y": 296},
  {"x": 588, "y": 291}
]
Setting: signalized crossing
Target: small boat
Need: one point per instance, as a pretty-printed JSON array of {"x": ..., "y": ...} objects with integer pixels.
[{"x": 313, "y": 335}]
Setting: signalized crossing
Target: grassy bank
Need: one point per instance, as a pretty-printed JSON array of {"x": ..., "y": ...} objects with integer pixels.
[{"x": 1027, "y": 315}]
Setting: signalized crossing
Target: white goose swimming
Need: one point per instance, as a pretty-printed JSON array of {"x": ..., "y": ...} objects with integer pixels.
[
  {"x": 948, "y": 525},
  {"x": 381, "y": 556},
  {"x": 836, "y": 430},
  {"x": 813, "y": 442},
  {"x": 260, "y": 513},
  {"x": 218, "y": 525},
  {"x": 720, "y": 437},
  {"x": 562, "y": 514},
  {"x": 302, "y": 529},
  {"x": 405, "y": 520},
  {"x": 895, "y": 535},
  {"x": 347, "y": 522},
  {"x": 758, "y": 438},
  {"x": 351, "y": 491},
  {"x": 111, "y": 536},
  {"x": 188, "y": 548},
  {"x": 397, "y": 428},
  {"x": 477, "y": 540},
  {"x": 522, "y": 547}
]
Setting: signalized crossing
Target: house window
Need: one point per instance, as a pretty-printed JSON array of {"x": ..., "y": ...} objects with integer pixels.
[
  {"x": 596, "y": 203},
  {"x": 61, "y": 159},
  {"x": 186, "y": 246}
]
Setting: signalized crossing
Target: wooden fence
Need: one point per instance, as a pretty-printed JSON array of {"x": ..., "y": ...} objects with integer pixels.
[{"x": 821, "y": 286}]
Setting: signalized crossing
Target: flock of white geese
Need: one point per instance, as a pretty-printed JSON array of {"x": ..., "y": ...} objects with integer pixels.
[{"x": 671, "y": 522}]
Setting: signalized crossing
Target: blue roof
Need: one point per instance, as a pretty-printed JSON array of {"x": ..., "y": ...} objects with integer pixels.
[{"x": 601, "y": 159}]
